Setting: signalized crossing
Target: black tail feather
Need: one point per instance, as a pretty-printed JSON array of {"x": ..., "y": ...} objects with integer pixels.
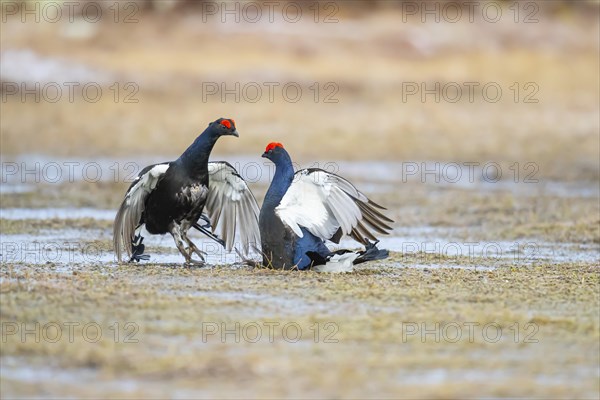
[
  {"x": 316, "y": 258},
  {"x": 371, "y": 253},
  {"x": 205, "y": 229}
]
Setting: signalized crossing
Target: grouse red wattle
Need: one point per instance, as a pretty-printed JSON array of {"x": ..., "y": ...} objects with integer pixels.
[
  {"x": 174, "y": 196},
  {"x": 302, "y": 210}
]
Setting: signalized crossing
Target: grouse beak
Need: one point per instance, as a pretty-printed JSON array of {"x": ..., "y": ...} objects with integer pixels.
[
  {"x": 235, "y": 133},
  {"x": 264, "y": 155}
]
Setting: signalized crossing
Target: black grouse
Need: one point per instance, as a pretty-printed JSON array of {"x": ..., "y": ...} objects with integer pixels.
[
  {"x": 302, "y": 210},
  {"x": 174, "y": 196}
]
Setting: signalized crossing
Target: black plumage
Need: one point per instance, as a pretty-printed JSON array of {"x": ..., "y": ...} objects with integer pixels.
[
  {"x": 305, "y": 209},
  {"x": 171, "y": 198}
]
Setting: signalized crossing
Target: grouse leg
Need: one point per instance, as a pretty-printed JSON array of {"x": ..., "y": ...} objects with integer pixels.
[
  {"x": 192, "y": 247},
  {"x": 175, "y": 230}
]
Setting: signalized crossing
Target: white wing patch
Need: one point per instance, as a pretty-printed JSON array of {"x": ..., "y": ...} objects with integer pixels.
[
  {"x": 129, "y": 214},
  {"x": 145, "y": 183},
  {"x": 304, "y": 205},
  {"x": 323, "y": 202},
  {"x": 231, "y": 207}
]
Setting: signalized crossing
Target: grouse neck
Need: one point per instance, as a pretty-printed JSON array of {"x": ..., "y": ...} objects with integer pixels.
[
  {"x": 284, "y": 175},
  {"x": 195, "y": 158}
]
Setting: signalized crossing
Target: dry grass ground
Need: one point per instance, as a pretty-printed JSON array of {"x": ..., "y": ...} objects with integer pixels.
[{"x": 546, "y": 313}]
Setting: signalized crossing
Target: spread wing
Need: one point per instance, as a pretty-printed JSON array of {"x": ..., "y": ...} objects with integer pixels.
[
  {"x": 231, "y": 206},
  {"x": 328, "y": 206},
  {"x": 129, "y": 216}
]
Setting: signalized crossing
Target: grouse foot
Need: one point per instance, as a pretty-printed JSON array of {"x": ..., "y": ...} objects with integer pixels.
[{"x": 137, "y": 250}]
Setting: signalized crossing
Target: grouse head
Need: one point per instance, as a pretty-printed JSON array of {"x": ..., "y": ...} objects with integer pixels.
[
  {"x": 224, "y": 127},
  {"x": 274, "y": 152}
]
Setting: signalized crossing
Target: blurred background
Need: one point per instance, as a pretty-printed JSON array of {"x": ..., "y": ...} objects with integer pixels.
[{"x": 349, "y": 80}]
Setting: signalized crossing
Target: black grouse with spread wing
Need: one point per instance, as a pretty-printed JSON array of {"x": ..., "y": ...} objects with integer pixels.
[
  {"x": 304, "y": 210},
  {"x": 172, "y": 197}
]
